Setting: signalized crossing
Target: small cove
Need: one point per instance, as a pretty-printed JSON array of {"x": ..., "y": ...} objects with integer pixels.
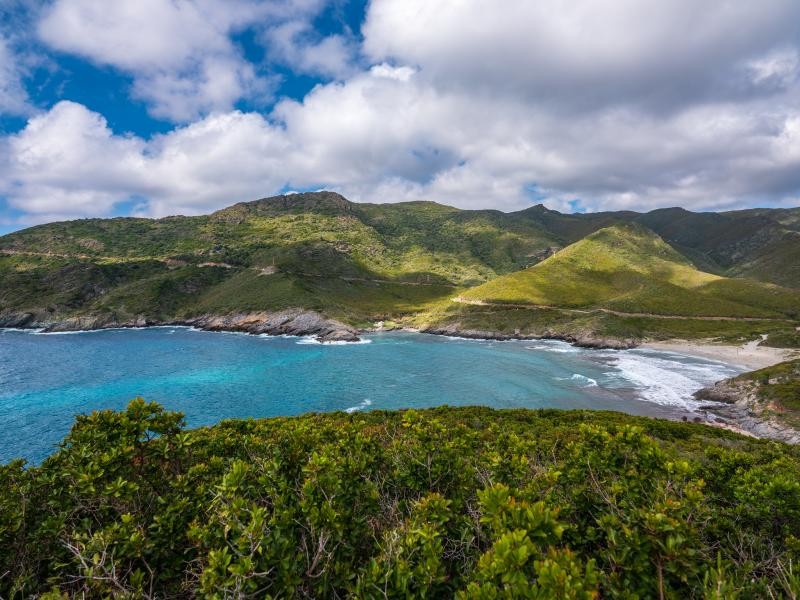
[{"x": 46, "y": 379}]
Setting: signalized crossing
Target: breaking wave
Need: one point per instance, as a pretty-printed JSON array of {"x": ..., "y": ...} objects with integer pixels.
[
  {"x": 665, "y": 381},
  {"x": 364, "y": 404},
  {"x": 311, "y": 340},
  {"x": 588, "y": 381}
]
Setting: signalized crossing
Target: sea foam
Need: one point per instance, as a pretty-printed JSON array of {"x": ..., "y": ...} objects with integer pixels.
[
  {"x": 554, "y": 346},
  {"x": 665, "y": 381},
  {"x": 311, "y": 340},
  {"x": 588, "y": 381},
  {"x": 364, "y": 404}
]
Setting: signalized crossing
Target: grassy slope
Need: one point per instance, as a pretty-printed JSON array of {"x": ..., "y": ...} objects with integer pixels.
[
  {"x": 511, "y": 320},
  {"x": 759, "y": 244},
  {"x": 356, "y": 262},
  {"x": 630, "y": 269},
  {"x": 365, "y": 262},
  {"x": 622, "y": 268},
  {"x": 777, "y": 261}
]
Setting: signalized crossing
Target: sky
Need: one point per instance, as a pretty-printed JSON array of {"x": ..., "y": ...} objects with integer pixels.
[{"x": 161, "y": 107}]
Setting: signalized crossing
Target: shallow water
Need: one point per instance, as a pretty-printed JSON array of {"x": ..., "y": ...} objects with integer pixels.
[{"x": 45, "y": 379}]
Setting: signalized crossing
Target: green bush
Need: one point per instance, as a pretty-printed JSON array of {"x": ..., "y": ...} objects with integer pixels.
[{"x": 466, "y": 503}]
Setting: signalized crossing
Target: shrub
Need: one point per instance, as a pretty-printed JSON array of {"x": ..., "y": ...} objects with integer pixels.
[{"x": 467, "y": 503}]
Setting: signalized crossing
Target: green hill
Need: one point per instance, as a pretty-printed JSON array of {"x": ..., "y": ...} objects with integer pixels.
[
  {"x": 316, "y": 231},
  {"x": 762, "y": 244},
  {"x": 362, "y": 263},
  {"x": 316, "y": 251},
  {"x": 628, "y": 268},
  {"x": 441, "y": 503}
]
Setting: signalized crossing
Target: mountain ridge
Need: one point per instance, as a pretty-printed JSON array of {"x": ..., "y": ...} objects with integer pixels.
[
  {"x": 361, "y": 263},
  {"x": 718, "y": 239}
]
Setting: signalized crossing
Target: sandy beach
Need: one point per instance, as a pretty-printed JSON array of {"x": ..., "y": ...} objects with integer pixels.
[{"x": 750, "y": 355}]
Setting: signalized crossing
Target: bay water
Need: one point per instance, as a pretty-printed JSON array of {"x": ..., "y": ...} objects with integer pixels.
[{"x": 46, "y": 379}]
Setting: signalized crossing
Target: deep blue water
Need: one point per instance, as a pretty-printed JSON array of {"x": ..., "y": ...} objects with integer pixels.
[{"x": 47, "y": 379}]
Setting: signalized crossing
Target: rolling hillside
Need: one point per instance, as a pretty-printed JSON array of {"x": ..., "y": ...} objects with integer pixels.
[
  {"x": 316, "y": 251},
  {"x": 362, "y": 263},
  {"x": 628, "y": 268},
  {"x": 761, "y": 244},
  {"x": 318, "y": 232}
]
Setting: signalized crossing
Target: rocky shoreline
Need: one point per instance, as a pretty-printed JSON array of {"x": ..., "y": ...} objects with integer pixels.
[
  {"x": 294, "y": 321},
  {"x": 736, "y": 405},
  {"x": 286, "y": 322},
  {"x": 582, "y": 340}
]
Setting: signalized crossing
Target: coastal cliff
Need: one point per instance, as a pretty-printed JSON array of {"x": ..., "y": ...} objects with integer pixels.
[
  {"x": 582, "y": 339},
  {"x": 285, "y": 322},
  {"x": 764, "y": 403},
  {"x": 295, "y": 321}
]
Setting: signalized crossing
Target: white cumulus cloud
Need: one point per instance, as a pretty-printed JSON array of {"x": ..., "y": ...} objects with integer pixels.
[
  {"x": 13, "y": 96},
  {"x": 180, "y": 53},
  {"x": 295, "y": 44},
  {"x": 583, "y": 53},
  {"x": 623, "y": 104}
]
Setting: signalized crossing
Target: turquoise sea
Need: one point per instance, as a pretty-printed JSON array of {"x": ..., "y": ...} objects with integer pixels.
[{"x": 46, "y": 379}]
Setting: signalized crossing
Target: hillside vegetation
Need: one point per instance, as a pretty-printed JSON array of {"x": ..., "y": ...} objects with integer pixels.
[
  {"x": 761, "y": 244},
  {"x": 316, "y": 251},
  {"x": 628, "y": 268},
  {"x": 364, "y": 263},
  {"x": 440, "y": 503}
]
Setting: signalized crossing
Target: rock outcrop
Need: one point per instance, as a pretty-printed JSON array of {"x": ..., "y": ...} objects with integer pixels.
[
  {"x": 475, "y": 334},
  {"x": 19, "y": 320},
  {"x": 582, "y": 339},
  {"x": 737, "y": 403},
  {"x": 92, "y": 322},
  {"x": 286, "y": 322},
  {"x": 592, "y": 340}
]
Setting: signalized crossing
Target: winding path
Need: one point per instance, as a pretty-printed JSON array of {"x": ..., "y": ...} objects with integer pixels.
[{"x": 608, "y": 311}]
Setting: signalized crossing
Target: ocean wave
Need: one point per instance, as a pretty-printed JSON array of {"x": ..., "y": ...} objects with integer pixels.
[
  {"x": 270, "y": 336},
  {"x": 229, "y": 332},
  {"x": 364, "y": 404},
  {"x": 589, "y": 381},
  {"x": 666, "y": 381},
  {"x": 458, "y": 338},
  {"x": 42, "y": 331},
  {"x": 554, "y": 346},
  {"x": 577, "y": 377},
  {"x": 311, "y": 340}
]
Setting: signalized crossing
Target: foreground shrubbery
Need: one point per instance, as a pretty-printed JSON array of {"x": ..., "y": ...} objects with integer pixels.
[{"x": 466, "y": 502}]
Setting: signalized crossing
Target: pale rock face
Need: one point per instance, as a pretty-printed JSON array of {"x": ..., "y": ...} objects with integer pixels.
[
  {"x": 286, "y": 322},
  {"x": 736, "y": 402},
  {"x": 294, "y": 321},
  {"x": 581, "y": 339}
]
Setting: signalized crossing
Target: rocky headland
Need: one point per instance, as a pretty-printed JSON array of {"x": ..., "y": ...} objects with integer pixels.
[
  {"x": 582, "y": 339},
  {"x": 759, "y": 403},
  {"x": 295, "y": 321},
  {"x": 285, "y": 322}
]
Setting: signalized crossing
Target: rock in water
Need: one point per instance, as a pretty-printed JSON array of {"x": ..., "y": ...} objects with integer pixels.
[{"x": 286, "y": 322}]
